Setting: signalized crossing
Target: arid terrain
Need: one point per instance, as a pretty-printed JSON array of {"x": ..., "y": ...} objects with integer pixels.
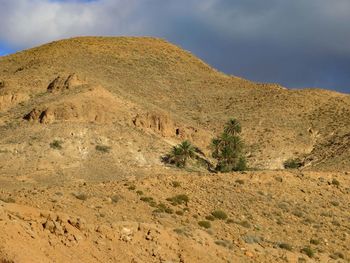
[{"x": 84, "y": 123}]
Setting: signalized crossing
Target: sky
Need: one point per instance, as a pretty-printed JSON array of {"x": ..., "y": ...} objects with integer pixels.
[{"x": 297, "y": 43}]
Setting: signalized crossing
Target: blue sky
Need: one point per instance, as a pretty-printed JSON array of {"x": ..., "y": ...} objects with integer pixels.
[{"x": 295, "y": 43}]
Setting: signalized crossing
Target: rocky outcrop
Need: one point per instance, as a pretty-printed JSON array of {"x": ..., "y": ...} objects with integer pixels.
[
  {"x": 95, "y": 104},
  {"x": 157, "y": 122},
  {"x": 162, "y": 124},
  {"x": 60, "y": 83},
  {"x": 9, "y": 100}
]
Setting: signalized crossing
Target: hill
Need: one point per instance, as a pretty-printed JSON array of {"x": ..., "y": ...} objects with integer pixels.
[{"x": 157, "y": 81}]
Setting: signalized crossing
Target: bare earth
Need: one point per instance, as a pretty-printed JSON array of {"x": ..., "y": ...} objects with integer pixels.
[{"x": 84, "y": 122}]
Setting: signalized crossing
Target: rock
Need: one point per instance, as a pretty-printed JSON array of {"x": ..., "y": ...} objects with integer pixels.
[
  {"x": 78, "y": 237},
  {"x": 60, "y": 84},
  {"x": 157, "y": 122},
  {"x": 126, "y": 234},
  {"x": 249, "y": 254},
  {"x": 251, "y": 239},
  {"x": 50, "y": 225},
  {"x": 12, "y": 99}
]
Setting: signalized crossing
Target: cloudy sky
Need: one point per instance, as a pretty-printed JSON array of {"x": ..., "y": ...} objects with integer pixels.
[{"x": 298, "y": 43}]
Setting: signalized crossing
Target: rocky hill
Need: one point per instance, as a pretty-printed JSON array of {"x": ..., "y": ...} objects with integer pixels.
[{"x": 154, "y": 89}]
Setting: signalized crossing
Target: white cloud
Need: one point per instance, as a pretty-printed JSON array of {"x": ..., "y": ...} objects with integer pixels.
[
  {"x": 26, "y": 22},
  {"x": 314, "y": 22}
]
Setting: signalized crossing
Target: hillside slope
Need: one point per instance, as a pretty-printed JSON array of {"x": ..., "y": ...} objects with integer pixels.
[{"x": 138, "y": 96}]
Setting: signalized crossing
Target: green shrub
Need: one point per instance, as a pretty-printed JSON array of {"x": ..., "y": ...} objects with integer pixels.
[
  {"x": 337, "y": 255},
  {"x": 179, "y": 213},
  {"x": 286, "y": 246},
  {"x": 7, "y": 200},
  {"x": 293, "y": 163},
  {"x": 168, "y": 210},
  {"x": 175, "y": 184},
  {"x": 132, "y": 187},
  {"x": 308, "y": 251},
  {"x": 115, "y": 198},
  {"x": 219, "y": 214},
  {"x": 335, "y": 182},
  {"x": 205, "y": 224},
  {"x": 239, "y": 181},
  {"x": 56, "y": 145},
  {"x": 146, "y": 199},
  {"x": 103, "y": 148},
  {"x": 210, "y": 218},
  {"x": 315, "y": 242},
  {"x": 178, "y": 199},
  {"x": 245, "y": 224}
]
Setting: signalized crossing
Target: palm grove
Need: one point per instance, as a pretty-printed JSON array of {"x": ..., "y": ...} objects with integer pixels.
[{"x": 227, "y": 149}]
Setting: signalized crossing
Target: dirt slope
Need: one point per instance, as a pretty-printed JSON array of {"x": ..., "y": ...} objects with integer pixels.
[{"x": 271, "y": 217}]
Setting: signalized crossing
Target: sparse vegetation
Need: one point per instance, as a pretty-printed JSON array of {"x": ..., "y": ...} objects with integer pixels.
[
  {"x": 146, "y": 199},
  {"x": 298, "y": 213},
  {"x": 223, "y": 243},
  {"x": 293, "y": 163},
  {"x": 219, "y": 214},
  {"x": 57, "y": 145},
  {"x": 335, "y": 182},
  {"x": 239, "y": 181},
  {"x": 229, "y": 221},
  {"x": 178, "y": 199},
  {"x": 228, "y": 148},
  {"x": 179, "y": 213},
  {"x": 175, "y": 184},
  {"x": 103, "y": 148},
  {"x": 162, "y": 208},
  {"x": 115, "y": 198},
  {"x": 205, "y": 224},
  {"x": 314, "y": 241},
  {"x": 337, "y": 255},
  {"x": 286, "y": 246},
  {"x": 210, "y": 218},
  {"x": 245, "y": 224},
  {"x": 7, "y": 200},
  {"x": 334, "y": 203},
  {"x": 132, "y": 187},
  {"x": 308, "y": 251}
]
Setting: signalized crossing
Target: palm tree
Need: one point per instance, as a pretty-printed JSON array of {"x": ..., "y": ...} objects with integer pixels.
[
  {"x": 175, "y": 156},
  {"x": 187, "y": 151},
  {"x": 181, "y": 153},
  {"x": 215, "y": 145},
  {"x": 228, "y": 148},
  {"x": 232, "y": 127}
]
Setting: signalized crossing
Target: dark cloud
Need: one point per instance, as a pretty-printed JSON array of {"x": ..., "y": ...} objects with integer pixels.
[{"x": 297, "y": 43}]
